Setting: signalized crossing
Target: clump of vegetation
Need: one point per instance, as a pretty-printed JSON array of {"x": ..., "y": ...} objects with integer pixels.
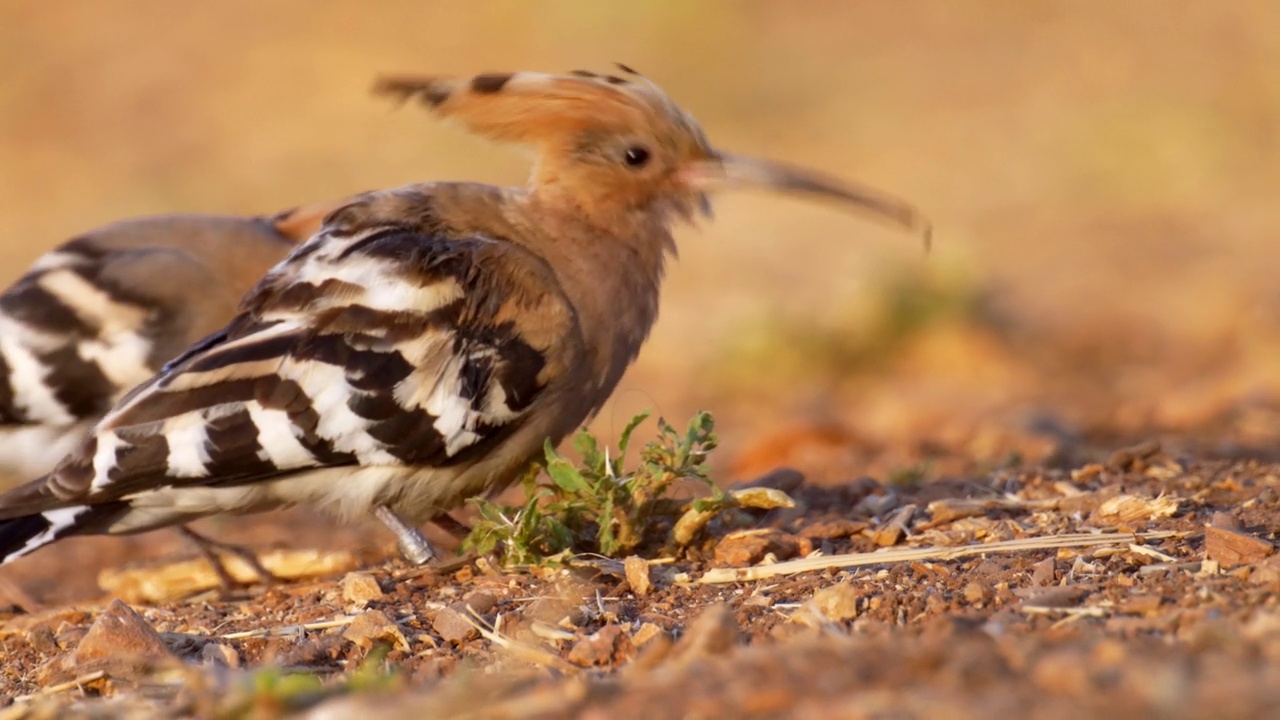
[
  {"x": 273, "y": 691},
  {"x": 599, "y": 506},
  {"x": 912, "y": 476}
]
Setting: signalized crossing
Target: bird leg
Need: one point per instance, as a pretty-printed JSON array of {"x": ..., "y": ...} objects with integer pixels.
[
  {"x": 210, "y": 549},
  {"x": 413, "y": 544},
  {"x": 451, "y": 525}
]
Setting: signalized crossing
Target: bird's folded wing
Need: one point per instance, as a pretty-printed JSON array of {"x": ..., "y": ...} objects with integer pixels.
[
  {"x": 375, "y": 343},
  {"x": 72, "y": 335},
  {"x": 97, "y": 314}
]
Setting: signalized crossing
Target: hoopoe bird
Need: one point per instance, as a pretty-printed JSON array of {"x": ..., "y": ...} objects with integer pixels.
[
  {"x": 105, "y": 310},
  {"x": 422, "y": 346}
]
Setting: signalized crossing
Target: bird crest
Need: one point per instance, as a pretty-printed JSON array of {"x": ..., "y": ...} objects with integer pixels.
[{"x": 611, "y": 143}]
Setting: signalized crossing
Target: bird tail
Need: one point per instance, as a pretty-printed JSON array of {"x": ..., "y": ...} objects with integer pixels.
[{"x": 25, "y": 534}]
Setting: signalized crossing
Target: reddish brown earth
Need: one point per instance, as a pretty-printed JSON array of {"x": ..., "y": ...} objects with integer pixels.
[
  {"x": 1082, "y": 553},
  {"x": 1183, "y": 625}
]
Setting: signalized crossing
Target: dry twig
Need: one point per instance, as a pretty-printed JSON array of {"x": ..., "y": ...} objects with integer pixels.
[
  {"x": 884, "y": 557},
  {"x": 291, "y": 629},
  {"x": 63, "y": 686},
  {"x": 524, "y": 651}
]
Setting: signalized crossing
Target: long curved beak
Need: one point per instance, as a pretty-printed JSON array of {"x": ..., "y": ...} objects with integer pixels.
[{"x": 728, "y": 171}]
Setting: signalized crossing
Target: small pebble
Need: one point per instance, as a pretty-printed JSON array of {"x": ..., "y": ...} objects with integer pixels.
[{"x": 360, "y": 589}]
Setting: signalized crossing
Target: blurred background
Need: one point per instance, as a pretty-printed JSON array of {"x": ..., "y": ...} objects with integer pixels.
[{"x": 1102, "y": 178}]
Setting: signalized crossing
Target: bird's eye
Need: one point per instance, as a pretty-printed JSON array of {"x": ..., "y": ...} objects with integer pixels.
[{"x": 636, "y": 156}]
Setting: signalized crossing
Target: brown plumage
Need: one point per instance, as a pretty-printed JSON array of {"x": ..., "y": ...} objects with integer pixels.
[
  {"x": 426, "y": 342},
  {"x": 105, "y": 310}
]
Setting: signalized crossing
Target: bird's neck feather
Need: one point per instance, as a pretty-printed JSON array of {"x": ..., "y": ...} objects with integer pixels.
[
  {"x": 611, "y": 272},
  {"x": 610, "y": 269}
]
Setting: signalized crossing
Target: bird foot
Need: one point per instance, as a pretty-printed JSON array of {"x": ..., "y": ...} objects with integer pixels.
[
  {"x": 212, "y": 551},
  {"x": 412, "y": 543}
]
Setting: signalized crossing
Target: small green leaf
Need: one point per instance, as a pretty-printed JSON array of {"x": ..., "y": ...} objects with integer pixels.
[
  {"x": 665, "y": 429},
  {"x": 625, "y": 441},
  {"x": 567, "y": 478},
  {"x": 605, "y": 537},
  {"x": 589, "y": 449},
  {"x": 564, "y": 474}
]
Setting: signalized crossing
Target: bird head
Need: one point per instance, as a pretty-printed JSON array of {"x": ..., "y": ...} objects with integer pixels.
[{"x": 613, "y": 143}]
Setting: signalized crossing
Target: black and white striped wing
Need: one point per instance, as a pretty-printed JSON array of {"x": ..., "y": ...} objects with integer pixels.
[
  {"x": 76, "y": 332},
  {"x": 100, "y": 313},
  {"x": 71, "y": 339},
  {"x": 380, "y": 347}
]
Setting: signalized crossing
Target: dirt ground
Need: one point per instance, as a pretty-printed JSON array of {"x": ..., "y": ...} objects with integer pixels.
[{"x": 1088, "y": 574}]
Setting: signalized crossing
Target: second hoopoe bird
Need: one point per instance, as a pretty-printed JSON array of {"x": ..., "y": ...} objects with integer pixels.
[
  {"x": 425, "y": 343},
  {"x": 105, "y": 310}
]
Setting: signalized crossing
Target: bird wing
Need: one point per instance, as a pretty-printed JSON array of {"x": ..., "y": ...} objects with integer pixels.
[
  {"x": 383, "y": 340},
  {"x": 71, "y": 338},
  {"x": 98, "y": 314}
]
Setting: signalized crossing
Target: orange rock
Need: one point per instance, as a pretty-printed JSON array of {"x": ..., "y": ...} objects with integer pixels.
[
  {"x": 714, "y": 632},
  {"x": 120, "y": 643},
  {"x": 838, "y": 602},
  {"x": 360, "y": 589},
  {"x": 373, "y": 626},
  {"x": 607, "y": 646},
  {"x": 120, "y": 631},
  {"x": 1230, "y": 548},
  {"x": 748, "y": 547},
  {"x": 832, "y": 529},
  {"x": 454, "y": 627},
  {"x": 637, "y": 569}
]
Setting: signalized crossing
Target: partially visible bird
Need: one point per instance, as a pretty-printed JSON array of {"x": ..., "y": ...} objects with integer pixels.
[
  {"x": 425, "y": 343},
  {"x": 105, "y": 310}
]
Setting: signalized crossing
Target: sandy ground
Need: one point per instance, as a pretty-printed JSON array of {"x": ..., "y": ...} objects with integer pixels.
[{"x": 1103, "y": 573}]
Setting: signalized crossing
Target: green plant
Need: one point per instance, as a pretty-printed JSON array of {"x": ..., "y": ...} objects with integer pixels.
[
  {"x": 597, "y": 506},
  {"x": 911, "y": 476},
  {"x": 275, "y": 692}
]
